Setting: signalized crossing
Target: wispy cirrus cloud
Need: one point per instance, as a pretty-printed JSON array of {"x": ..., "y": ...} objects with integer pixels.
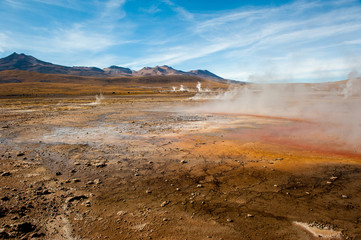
[
  {"x": 112, "y": 10},
  {"x": 58, "y": 3},
  {"x": 92, "y": 35},
  {"x": 3, "y": 40},
  {"x": 182, "y": 12},
  {"x": 257, "y": 35},
  {"x": 298, "y": 41},
  {"x": 76, "y": 39}
]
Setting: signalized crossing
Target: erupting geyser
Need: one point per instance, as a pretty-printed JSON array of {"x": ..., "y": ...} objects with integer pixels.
[{"x": 199, "y": 87}]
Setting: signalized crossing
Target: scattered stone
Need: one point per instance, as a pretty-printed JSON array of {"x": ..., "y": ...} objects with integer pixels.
[
  {"x": 76, "y": 163},
  {"x": 5, "y": 174},
  {"x": 45, "y": 192},
  {"x": 75, "y": 198},
  {"x": 3, "y": 234},
  {"x": 100, "y": 165},
  {"x": 148, "y": 191},
  {"x": 183, "y": 161},
  {"x": 121, "y": 213},
  {"x": 97, "y": 181},
  {"x": 6, "y": 198},
  {"x": 136, "y": 174},
  {"x": 165, "y": 219},
  {"x": 58, "y": 173},
  {"x": 72, "y": 171},
  {"x": 344, "y": 196},
  {"x": 229, "y": 220},
  {"x": 178, "y": 189},
  {"x": 328, "y": 182},
  {"x": 37, "y": 235},
  {"x": 19, "y": 154},
  {"x": 75, "y": 180},
  {"x": 24, "y": 227},
  {"x": 90, "y": 182},
  {"x": 250, "y": 215},
  {"x": 87, "y": 203},
  {"x": 165, "y": 203},
  {"x": 333, "y": 178},
  {"x": 150, "y": 162},
  {"x": 199, "y": 186}
]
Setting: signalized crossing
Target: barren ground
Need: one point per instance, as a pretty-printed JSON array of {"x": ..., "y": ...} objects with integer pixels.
[{"x": 141, "y": 167}]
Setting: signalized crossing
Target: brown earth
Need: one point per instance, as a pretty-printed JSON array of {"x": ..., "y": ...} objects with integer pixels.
[
  {"x": 30, "y": 84},
  {"x": 143, "y": 167}
]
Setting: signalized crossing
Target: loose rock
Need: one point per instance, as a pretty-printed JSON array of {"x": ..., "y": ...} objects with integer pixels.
[
  {"x": 165, "y": 203},
  {"x": 24, "y": 227},
  {"x": 5, "y": 174},
  {"x": 97, "y": 181},
  {"x": 72, "y": 199}
]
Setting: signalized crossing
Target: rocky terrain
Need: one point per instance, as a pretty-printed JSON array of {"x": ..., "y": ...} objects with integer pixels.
[{"x": 148, "y": 167}]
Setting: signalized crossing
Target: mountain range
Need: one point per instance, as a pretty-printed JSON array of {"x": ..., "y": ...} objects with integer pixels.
[{"x": 24, "y": 62}]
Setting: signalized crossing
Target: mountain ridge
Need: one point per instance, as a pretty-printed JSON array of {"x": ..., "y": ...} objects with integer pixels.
[{"x": 25, "y": 62}]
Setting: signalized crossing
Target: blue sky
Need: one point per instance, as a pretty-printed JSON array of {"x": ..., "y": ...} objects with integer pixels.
[{"x": 310, "y": 41}]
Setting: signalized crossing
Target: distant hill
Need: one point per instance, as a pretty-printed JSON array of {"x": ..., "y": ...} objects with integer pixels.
[
  {"x": 29, "y": 63},
  {"x": 118, "y": 71},
  {"x": 24, "y": 62},
  {"x": 159, "y": 71},
  {"x": 20, "y": 76},
  {"x": 27, "y": 83}
]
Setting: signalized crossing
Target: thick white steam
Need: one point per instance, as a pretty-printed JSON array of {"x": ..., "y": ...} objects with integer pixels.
[{"x": 336, "y": 107}]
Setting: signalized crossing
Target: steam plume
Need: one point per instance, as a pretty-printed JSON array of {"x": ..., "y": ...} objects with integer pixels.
[{"x": 335, "y": 107}]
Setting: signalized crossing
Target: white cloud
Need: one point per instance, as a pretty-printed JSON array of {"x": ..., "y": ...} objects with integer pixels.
[
  {"x": 59, "y": 3},
  {"x": 182, "y": 12},
  {"x": 14, "y": 3},
  {"x": 302, "y": 39},
  {"x": 314, "y": 30},
  {"x": 75, "y": 39},
  {"x": 3, "y": 42},
  {"x": 113, "y": 10},
  {"x": 352, "y": 42}
]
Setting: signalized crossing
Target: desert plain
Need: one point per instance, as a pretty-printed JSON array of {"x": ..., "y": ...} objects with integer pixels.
[{"x": 150, "y": 163}]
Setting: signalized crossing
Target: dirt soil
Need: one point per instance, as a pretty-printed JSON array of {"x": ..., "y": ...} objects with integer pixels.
[{"x": 147, "y": 167}]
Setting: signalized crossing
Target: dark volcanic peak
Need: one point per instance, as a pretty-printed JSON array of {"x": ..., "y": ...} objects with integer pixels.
[
  {"x": 118, "y": 71},
  {"x": 20, "y": 62},
  {"x": 88, "y": 68},
  {"x": 204, "y": 73},
  {"x": 158, "y": 70},
  {"x": 29, "y": 63}
]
